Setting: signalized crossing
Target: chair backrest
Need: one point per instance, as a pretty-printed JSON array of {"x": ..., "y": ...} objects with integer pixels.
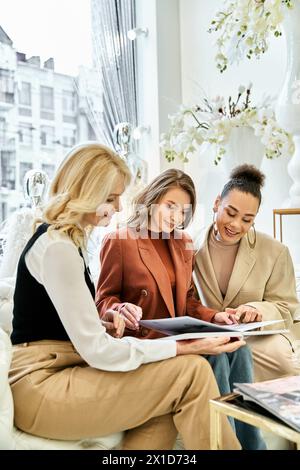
[
  {"x": 6, "y": 400},
  {"x": 7, "y": 286}
]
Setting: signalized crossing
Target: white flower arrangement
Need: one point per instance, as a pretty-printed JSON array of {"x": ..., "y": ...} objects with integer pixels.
[
  {"x": 212, "y": 124},
  {"x": 244, "y": 27}
]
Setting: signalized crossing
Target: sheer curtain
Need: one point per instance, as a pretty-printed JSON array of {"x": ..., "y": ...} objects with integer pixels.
[{"x": 115, "y": 60}]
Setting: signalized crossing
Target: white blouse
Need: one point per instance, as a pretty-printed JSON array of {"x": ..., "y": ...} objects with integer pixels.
[{"x": 55, "y": 263}]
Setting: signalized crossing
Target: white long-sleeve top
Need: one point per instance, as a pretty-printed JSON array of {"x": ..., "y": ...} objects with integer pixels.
[{"x": 54, "y": 261}]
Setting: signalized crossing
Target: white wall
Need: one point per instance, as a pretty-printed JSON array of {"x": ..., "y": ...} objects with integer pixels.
[
  {"x": 176, "y": 64},
  {"x": 199, "y": 73}
]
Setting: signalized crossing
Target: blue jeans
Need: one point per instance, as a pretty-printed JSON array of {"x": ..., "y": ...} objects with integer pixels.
[{"x": 230, "y": 368}]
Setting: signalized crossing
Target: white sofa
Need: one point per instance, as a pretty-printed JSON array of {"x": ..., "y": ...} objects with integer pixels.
[{"x": 11, "y": 437}]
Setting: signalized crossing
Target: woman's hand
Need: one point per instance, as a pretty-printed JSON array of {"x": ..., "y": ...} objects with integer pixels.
[
  {"x": 245, "y": 314},
  {"x": 225, "y": 317},
  {"x": 114, "y": 323},
  {"x": 211, "y": 346},
  {"x": 132, "y": 315}
]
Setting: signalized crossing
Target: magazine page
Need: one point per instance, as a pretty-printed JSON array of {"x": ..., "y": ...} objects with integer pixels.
[
  {"x": 179, "y": 325},
  {"x": 281, "y": 397},
  {"x": 184, "y": 336},
  {"x": 233, "y": 334}
]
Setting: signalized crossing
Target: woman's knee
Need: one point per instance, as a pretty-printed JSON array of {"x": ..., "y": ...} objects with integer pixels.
[
  {"x": 218, "y": 361},
  {"x": 243, "y": 355},
  {"x": 194, "y": 365}
]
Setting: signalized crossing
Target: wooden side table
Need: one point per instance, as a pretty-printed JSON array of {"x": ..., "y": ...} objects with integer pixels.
[
  {"x": 282, "y": 212},
  {"x": 224, "y": 405}
]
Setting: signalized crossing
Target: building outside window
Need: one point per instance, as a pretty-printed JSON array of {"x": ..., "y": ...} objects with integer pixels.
[
  {"x": 40, "y": 117},
  {"x": 24, "y": 167},
  {"x": 7, "y": 86},
  {"x": 8, "y": 169},
  {"x": 25, "y": 94},
  {"x": 49, "y": 170},
  {"x": 3, "y": 216},
  {"x": 25, "y": 133},
  {"x": 69, "y": 137},
  {"x": 47, "y": 136},
  {"x": 2, "y": 129},
  {"x": 47, "y": 98},
  {"x": 69, "y": 102}
]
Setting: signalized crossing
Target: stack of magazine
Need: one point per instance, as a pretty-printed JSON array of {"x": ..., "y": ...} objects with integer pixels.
[
  {"x": 280, "y": 397},
  {"x": 191, "y": 328}
]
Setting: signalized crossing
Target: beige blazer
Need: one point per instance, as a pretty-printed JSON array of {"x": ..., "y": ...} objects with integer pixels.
[{"x": 262, "y": 277}]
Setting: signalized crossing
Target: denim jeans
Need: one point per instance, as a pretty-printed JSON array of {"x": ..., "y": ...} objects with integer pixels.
[{"x": 230, "y": 368}]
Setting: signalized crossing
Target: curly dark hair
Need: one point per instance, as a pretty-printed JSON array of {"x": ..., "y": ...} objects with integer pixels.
[{"x": 245, "y": 178}]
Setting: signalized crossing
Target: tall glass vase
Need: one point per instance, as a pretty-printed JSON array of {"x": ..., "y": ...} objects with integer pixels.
[{"x": 288, "y": 103}]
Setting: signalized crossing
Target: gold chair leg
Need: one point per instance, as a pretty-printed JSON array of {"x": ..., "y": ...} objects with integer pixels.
[{"x": 215, "y": 429}]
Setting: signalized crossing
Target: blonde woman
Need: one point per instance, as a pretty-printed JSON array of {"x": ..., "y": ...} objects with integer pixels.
[
  {"x": 146, "y": 270},
  {"x": 69, "y": 378}
]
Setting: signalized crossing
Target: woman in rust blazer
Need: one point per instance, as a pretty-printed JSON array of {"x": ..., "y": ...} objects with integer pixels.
[
  {"x": 146, "y": 270},
  {"x": 146, "y": 267}
]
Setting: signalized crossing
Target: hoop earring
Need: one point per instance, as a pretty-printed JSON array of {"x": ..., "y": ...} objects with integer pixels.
[
  {"x": 214, "y": 224},
  {"x": 252, "y": 244}
]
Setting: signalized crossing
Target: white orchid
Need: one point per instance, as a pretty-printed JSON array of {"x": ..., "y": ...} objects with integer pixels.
[
  {"x": 211, "y": 124},
  {"x": 244, "y": 27}
]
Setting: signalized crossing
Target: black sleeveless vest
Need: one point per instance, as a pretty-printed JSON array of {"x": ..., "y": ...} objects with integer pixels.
[{"x": 34, "y": 315}]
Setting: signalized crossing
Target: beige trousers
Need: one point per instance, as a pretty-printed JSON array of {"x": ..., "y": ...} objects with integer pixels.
[
  {"x": 275, "y": 356},
  {"x": 57, "y": 395}
]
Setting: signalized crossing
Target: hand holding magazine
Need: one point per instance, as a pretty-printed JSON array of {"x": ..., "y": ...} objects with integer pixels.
[{"x": 189, "y": 328}]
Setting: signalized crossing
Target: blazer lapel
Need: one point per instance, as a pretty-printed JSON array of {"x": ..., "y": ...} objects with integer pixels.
[
  {"x": 152, "y": 260},
  {"x": 180, "y": 275},
  {"x": 244, "y": 262},
  {"x": 205, "y": 267}
]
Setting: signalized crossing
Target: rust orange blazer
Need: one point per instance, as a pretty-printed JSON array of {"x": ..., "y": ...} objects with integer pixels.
[{"x": 132, "y": 271}]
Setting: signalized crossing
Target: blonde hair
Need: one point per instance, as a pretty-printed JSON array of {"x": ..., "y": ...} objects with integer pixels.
[
  {"x": 83, "y": 181},
  {"x": 153, "y": 193}
]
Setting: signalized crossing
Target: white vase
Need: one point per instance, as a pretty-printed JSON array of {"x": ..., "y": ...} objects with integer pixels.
[
  {"x": 243, "y": 147},
  {"x": 288, "y": 103}
]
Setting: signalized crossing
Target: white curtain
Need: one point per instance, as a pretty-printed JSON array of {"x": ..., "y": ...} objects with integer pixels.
[{"x": 115, "y": 59}]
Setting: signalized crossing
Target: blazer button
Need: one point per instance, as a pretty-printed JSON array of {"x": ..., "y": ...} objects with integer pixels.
[
  {"x": 144, "y": 292},
  {"x": 144, "y": 331}
]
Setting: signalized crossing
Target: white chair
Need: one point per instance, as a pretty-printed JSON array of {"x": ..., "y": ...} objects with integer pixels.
[{"x": 10, "y": 437}]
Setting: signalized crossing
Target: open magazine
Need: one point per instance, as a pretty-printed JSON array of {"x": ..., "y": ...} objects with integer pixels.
[
  {"x": 189, "y": 327},
  {"x": 280, "y": 397}
]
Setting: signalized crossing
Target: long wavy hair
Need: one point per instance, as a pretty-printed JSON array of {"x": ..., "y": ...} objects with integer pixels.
[
  {"x": 83, "y": 181},
  {"x": 153, "y": 193}
]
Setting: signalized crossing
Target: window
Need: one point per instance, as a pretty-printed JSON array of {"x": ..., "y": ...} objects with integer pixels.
[
  {"x": 24, "y": 167},
  {"x": 47, "y": 136},
  {"x": 3, "y": 216},
  {"x": 7, "y": 86},
  {"x": 8, "y": 169},
  {"x": 49, "y": 170},
  {"x": 25, "y": 94},
  {"x": 25, "y": 112},
  {"x": 69, "y": 102},
  {"x": 25, "y": 133},
  {"x": 2, "y": 129},
  {"x": 47, "y": 97},
  {"x": 69, "y": 119},
  {"x": 69, "y": 137}
]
